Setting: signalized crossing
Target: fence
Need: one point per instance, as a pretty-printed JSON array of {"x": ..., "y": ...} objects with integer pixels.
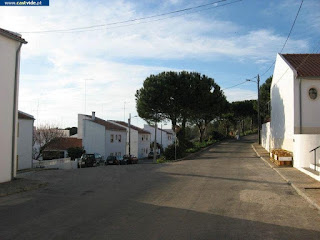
[{"x": 62, "y": 163}]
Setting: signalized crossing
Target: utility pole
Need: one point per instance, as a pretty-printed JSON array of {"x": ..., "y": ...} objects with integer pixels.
[
  {"x": 129, "y": 125},
  {"x": 161, "y": 139},
  {"x": 155, "y": 143},
  {"x": 259, "y": 119}
]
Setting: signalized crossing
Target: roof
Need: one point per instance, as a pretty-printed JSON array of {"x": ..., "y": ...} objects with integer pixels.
[
  {"x": 140, "y": 130},
  {"x": 12, "y": 35},
  {"x": 108, "y": 125},
  {"x": 23, "y": 115},
  {"x": 163, "y": 130},
  {"x": 306, "y": 65},
  {"x": 64, "y": 143}
]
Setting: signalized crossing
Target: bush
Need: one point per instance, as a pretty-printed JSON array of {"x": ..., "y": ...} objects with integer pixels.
[
  {"x": 169, "y": 153},
  {"x": 75, "y": 152},
  {"x": 216, "y": 135},
  {"x": 161, "y": 160}
]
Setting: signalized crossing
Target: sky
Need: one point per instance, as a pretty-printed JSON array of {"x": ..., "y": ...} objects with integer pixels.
[{"x": 99, "y": 69}]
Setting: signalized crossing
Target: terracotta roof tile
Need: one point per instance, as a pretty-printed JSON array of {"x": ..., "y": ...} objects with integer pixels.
[
  {"x": 12, "y": 35},
  {"x": 306, "y": 65},
  {"x": 108, "y": 125},
  {"x": 140, "y": 130},
  {"x": 64, "y": 143},
  {"x": 22, "y": 115}
]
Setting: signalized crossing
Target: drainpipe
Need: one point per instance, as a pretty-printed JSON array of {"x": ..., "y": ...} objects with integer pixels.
[
  {"x": 15, "y": 93},
  {"x": 300, "y": 107}
]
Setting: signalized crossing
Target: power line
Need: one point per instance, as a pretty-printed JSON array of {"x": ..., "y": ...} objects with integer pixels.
[
  {"x": 285, "y": 43},
  {"x": 98, "y": 26},
  {"x": 234, "y": 85}
]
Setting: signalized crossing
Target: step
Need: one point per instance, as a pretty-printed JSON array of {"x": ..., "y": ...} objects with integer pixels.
[{"x": 317, "y": 167}]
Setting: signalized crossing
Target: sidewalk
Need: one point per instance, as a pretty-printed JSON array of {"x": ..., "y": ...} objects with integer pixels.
[
  {"x": 19, "y": 185},
  {"x": 305, "y": 186}
]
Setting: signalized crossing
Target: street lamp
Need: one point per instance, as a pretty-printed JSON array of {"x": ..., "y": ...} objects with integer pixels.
[
  {"x": 129, "y": 126},
  {"x": 259, "y": 120},
  {"x": 161, "y": 134}
]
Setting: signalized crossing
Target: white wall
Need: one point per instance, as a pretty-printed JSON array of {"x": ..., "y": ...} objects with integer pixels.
[
  {"x": 144, "y": 142},
  {"x": 24, "y": 143},
  {"x": 303, "y": 143},
  {"x": 8, "y": 50},
  {"x": 265, "y": 136},
  {"x": 116, "y": 146},
  {"x": 167, "y": 139},
  {"x": 81, "y": 117},
  {"x": 309, "y": 108},
  {"x": 93, "y": 138},
  {"x": 282, "y": 106}
]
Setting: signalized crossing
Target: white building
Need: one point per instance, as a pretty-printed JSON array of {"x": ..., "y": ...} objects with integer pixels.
[
  {"x": 140, "y": 140},
  {"x": 164, "y": 136},
  {"x": 295, "y": 108},
  {"x": 25, "y": 140},
  {"x": 10, "y": 46},
  {"x": 100, "y": 136}
]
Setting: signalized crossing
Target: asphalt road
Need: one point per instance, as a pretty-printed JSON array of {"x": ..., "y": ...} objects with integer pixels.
[{"x": 225, "y": 193}]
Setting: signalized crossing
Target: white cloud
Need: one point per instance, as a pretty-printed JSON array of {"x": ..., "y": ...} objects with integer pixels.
[{"x": 99, "y": 55}]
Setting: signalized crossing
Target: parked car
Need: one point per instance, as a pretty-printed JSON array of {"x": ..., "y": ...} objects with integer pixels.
[
  {"x": 87, "y": 160},
  {"x": 122, "y": 161},
  {"x": 150, "y": 155},
  {"x": 112, "y": 160},
  {"x": 131, "y": 159},
  {"x": 98, "y": 158}
]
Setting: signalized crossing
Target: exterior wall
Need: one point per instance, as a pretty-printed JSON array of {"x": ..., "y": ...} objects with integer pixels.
[
  {"x": 303, "y": 143},
  {"x": 309, "y": 108},
  {"x": 167, "y": 139},
  {"x": 144, "y": 142},
  {"x": 94, "y": 138},
  {"x": 24, "y": 144},
  {"x": 282, "y": 106},
  {"x": 116, "y": 146},
  {"x": 8, "y": 50},
  {"x": 265, "y": 136},
  {"x": 134, "y": 142},
  {"x": 81, "y": 117}
]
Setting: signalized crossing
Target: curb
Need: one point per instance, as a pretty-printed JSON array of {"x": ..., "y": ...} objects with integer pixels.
[{"x": 301, "y": 193}]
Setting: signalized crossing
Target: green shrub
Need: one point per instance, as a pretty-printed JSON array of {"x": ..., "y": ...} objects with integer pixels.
[
  {"x": 161, "y": 160},
  {"x": 169, "y": 153}
]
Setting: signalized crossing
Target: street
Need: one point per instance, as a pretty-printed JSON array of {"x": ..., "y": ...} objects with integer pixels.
[{"x": 227, "y": 192}]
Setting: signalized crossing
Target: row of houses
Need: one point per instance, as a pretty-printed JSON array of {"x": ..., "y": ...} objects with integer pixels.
[{"x": 95, "y": 135}]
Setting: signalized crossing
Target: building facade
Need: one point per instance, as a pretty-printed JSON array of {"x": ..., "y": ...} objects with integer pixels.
[
  {"x": 10, "y": 46},
  {"x": 25, "y": 140}
]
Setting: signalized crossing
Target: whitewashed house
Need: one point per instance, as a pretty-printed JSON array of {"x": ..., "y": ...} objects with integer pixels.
[
  {"x": 164, "y": 136},
  {"x": 295, "y": 108},
  {"x": 25, "y": 140},
  {"x": 140, "y": 140},
  {"x": 100, "y": 136},
  {"x": 10, "y": 47}
]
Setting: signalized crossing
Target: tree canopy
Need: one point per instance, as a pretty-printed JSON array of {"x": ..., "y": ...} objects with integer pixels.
[{"x": 180, "y": 97}]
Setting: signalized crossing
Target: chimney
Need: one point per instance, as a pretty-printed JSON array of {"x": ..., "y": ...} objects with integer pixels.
[{"x": 93, "y": 116}]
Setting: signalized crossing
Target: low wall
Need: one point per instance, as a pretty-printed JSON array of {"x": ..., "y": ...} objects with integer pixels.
[
  {"x": 62, "y": 163},
  {"x": 303, "y": 143},
  {"x": 265, "y": 136}
]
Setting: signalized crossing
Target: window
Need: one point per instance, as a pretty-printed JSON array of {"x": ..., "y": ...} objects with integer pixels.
[
  {"x": 119, "y": 138},
  {"x": 142, "y": 137},
  {"x": 313, "y": 93},
  {"x": 147, "y": 137},
  {"x": 111, "y": 138},
  {"x": 116, "y": 137}
]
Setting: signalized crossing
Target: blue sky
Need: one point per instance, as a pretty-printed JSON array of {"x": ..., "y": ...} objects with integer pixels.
[{"x": 229, "y": 43}]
